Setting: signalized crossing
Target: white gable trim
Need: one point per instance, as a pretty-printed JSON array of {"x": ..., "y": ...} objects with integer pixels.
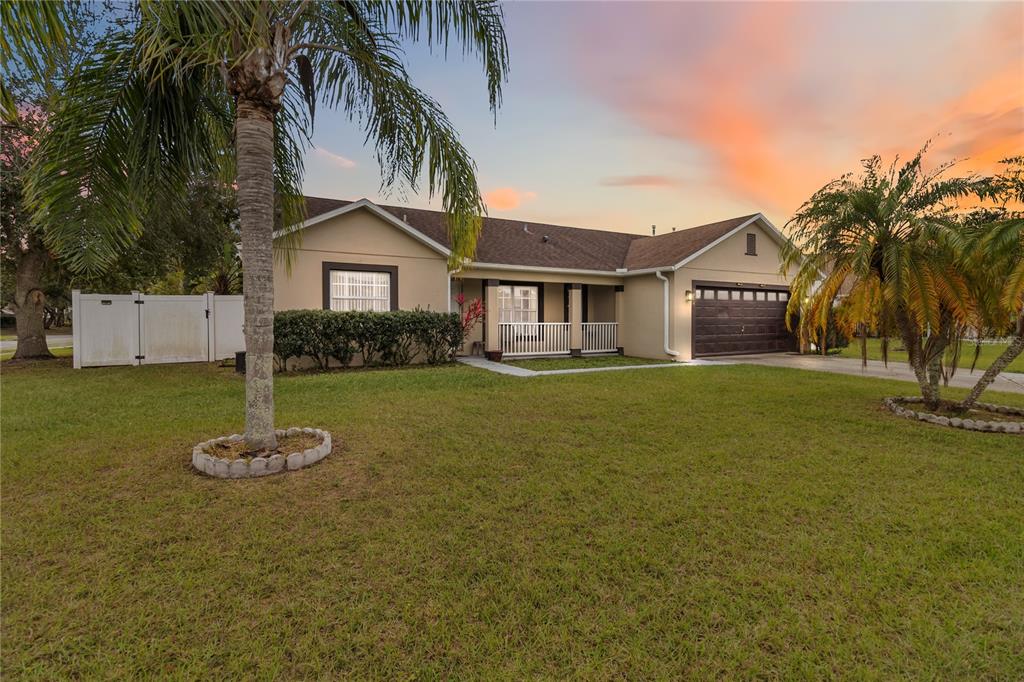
[{"x": 377, "y": 211}]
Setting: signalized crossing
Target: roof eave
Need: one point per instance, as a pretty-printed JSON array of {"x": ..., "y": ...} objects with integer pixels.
[{"x": 541, "y": 268}]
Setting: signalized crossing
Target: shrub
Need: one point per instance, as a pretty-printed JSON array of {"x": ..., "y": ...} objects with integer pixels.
[{"x": 392, "y": 338}]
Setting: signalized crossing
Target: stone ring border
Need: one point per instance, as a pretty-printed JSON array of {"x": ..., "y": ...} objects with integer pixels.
[
  {"x": 218, "y": 467},
  {"x": 896, "y": 406}
]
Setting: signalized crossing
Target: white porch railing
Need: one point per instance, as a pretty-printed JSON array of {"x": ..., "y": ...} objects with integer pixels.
[
  {"x": 534, "y": 338},
  {"x": 600, "y": 337}
]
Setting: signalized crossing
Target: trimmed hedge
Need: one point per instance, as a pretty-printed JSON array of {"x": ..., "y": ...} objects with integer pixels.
[{"x": 392, "y": 338}]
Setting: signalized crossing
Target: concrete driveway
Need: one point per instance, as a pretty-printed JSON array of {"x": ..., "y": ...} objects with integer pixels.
[{"x": 1012, "y": 382}]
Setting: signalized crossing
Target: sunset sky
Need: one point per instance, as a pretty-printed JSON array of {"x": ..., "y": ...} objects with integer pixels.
[{"x": 622, "y": 115}]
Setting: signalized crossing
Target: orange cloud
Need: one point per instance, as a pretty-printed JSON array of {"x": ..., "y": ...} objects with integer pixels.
[
  {"x": 507, "y": 198},
  {"x": 777, "y": 99}
]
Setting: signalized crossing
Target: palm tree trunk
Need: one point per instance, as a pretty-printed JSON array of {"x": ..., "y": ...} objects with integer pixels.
[
  {"x": 931, "y": 398},
  {"x": 915, "y": 356},
  {"x": 935, "y": 373},
  {"x": 1015, "y": 348},
  {"x": 30, "y": 303},
  {"x": 254, "y": 146}
]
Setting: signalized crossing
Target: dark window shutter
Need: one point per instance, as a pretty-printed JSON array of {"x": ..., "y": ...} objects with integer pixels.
[{"x": 751, "y": 244}]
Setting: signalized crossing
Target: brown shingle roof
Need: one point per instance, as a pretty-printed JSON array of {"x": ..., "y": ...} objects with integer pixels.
[
  {"x": 672, "y": 247},
  {"x": 515, "y": 242}
]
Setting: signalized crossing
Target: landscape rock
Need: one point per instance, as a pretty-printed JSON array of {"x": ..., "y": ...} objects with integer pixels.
[
  {"x": 238, "y": 469},
  {"x": 218, "y": 467}
]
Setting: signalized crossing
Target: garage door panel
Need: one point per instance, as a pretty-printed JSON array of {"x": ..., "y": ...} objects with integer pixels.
[{"x": 731, "y": 321}]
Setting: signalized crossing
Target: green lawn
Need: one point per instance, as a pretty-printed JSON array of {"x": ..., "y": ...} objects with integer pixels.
[
  {"x": 989, "y": 352},
  {"x": 705, "y": 522},
  {"x": 542, "y": 364}
]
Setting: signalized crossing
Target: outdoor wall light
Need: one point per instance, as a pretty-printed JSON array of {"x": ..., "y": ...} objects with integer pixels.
[{"x": 689, "y": 296}]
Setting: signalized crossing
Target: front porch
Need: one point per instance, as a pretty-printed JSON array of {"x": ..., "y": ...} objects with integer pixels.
[{"x": 543, "y": 319}]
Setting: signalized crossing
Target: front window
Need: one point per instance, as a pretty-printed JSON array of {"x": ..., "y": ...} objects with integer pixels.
[
  {"x": 359, "y": 290},
  {"x": 517, "y": 303}
]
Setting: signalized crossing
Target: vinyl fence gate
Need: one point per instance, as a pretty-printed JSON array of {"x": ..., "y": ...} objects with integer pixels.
[{"x": 136, "y": 329}]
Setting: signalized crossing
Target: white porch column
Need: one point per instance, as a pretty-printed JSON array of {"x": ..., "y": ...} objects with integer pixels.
[
  {"x": 620, "y": 315},
  {"x": 575, "y": 320},
  {"x": 492, "y": 337}
]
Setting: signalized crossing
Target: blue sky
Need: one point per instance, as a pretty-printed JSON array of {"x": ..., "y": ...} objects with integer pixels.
[{"x": 622, "y": 115}]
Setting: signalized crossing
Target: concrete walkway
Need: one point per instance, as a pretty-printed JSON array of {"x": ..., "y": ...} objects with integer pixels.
[
  {"x": 52, "y": 340},
  {"x": 512, "y": 370},
  {"x": 1012, "y": 382}
]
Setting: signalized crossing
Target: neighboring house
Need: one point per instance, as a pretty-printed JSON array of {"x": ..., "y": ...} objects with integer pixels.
[{"x": 548, "y": 289}]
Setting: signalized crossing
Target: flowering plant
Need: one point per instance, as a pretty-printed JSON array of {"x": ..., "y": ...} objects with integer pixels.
[{"x": 471, "y": 314}]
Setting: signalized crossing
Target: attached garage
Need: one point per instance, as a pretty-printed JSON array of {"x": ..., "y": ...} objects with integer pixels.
[{"x": 729, "y": 320}]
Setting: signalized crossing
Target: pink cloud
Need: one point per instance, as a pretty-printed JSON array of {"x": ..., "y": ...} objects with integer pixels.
[
  {"x": 777, "y": 99},
  {"x": 336, "y": 160},
  {"x": 507, "y": 198}
]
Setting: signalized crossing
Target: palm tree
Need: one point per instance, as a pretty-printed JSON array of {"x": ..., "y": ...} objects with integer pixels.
[
  {"x": 226, "y": 276},
  {"x": 185, "y": 87},
  {"x": 995, "y": 259},
  {"x": 888, "y": 240}
]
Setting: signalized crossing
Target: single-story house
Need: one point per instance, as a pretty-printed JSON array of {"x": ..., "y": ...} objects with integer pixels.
[{"x": 548, "y": 289}]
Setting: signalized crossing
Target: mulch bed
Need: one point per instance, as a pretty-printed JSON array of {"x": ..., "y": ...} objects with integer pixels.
[{"x": 285, "y": 446}]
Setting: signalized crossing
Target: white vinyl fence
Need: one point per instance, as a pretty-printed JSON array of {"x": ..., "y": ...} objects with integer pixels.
[{"x": 136, "y": 329}]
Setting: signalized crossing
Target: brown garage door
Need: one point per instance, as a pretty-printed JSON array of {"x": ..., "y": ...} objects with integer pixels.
[{"x": 729, "y": 320}]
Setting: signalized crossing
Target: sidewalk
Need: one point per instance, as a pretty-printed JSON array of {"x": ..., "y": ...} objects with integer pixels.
[
  {"x": 1012, "y": 382},
  {"x": 512, "y": 370}
]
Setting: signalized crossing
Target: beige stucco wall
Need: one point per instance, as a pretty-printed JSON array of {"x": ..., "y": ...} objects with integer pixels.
[
  {"x": 554, "y": 302},
  {"x": 360, "y": 237},
  {"x": 601, "y": 304},
  {"x": 727, "y": 262},
  {"x": 642, "y": 335}
]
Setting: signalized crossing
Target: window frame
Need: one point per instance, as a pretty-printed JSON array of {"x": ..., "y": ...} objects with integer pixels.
[
  {"x": 539, "y": 286},
  {"x": 392, "y": 270}
]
